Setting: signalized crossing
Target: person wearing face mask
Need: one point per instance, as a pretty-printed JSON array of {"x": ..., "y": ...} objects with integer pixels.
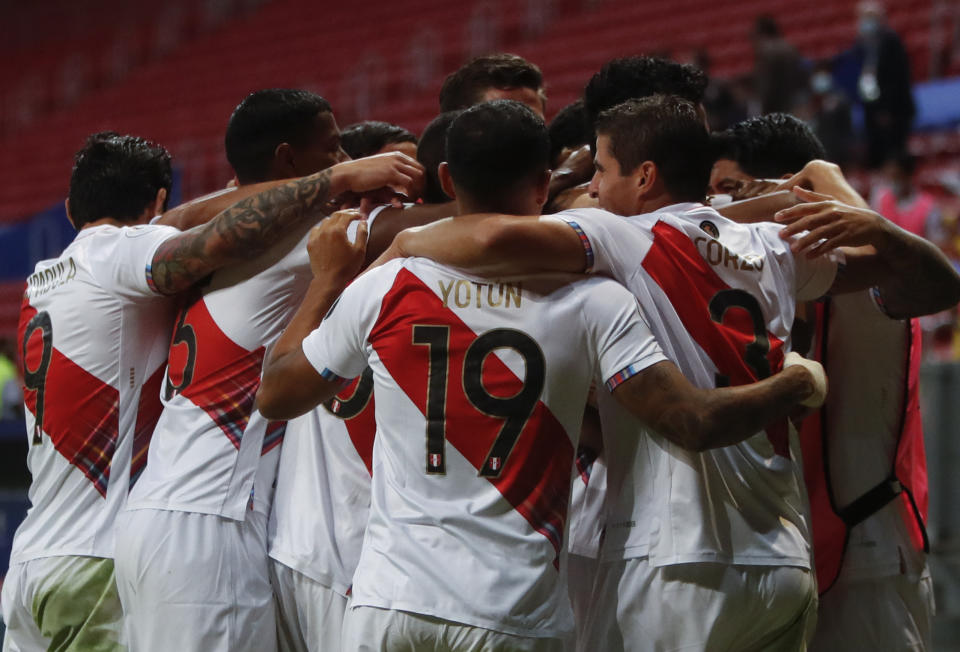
[
  {"x": 883, "y": 85},
  {"x": 903, "y": 203},
  {"x": 830, "y": 116}
]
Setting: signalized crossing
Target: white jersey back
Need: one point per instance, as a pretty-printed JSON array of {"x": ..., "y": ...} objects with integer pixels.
[
  {"x": 480, "y": 389},
  {"x": 93, "y": 335},
  {"x": 867, "y": 368},
  {"x": 211, "y": 447},
  {"x": 721, "y": 300},
  {"x": 322, "y": 501}
]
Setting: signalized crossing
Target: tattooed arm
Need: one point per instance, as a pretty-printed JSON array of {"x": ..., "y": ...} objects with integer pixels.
[
  {"x": 252, "y": 225},
  {"x": 698, "y": 419},
  {"x": 203, "y": 209}
]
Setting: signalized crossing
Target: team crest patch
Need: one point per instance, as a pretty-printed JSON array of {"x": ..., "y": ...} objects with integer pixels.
[{"x": 710, "y": 227}]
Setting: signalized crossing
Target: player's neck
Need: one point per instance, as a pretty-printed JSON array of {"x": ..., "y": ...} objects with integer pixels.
[
  {"x": 518, "y": 206},
  {"x": 110, "y": 221}
]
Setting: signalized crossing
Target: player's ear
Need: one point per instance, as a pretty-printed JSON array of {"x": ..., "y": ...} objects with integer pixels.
[
  {"x": 446, "y": 181},
  {"x": 543, "y": 188},
  {"x": 645, "y": 177},
  {"x": 160, "y": 203},
  {"x": 66, "y": 205},
  {"x": 283, "y": 162}
]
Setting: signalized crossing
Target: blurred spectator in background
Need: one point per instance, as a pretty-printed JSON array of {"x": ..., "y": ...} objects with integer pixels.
[
  {"x": 899, "y": 199},
  {"x": 883, "y": 85},
  {"x": 11, "y": 395},
  {"x": 828, "y": 113},
  {"x": 722, "y": 105},
  {"x": 779, "y": 73},
  {"x": 375, "y": 137}
]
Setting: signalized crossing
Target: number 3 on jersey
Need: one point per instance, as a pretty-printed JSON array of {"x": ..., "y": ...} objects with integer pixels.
[{"x": 514, "y": 410}]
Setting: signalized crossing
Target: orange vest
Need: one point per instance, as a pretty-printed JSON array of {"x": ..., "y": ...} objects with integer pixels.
[{"x": 908, "y": 473}]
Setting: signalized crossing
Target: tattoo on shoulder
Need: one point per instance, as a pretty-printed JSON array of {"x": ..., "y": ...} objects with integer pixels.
[{"x": 242, "y": 231}]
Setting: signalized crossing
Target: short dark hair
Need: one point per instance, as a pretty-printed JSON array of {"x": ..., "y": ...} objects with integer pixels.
[
  {"x": 766, "y": 25},
  {"x": 265, "y": 119},
  {"x": 667, "y": 130},
  {"x": 568, "y": 129},
  {"x": 496, "y": 148},
  {"x": 633, "y": 78},
  {"x": 466, "y": 86},
  {"x": 431, "y": 151},
  {"x": 116, "y": 176},
  {"x": 769, "y": 146},
  {"x": 369, "y": 137}
]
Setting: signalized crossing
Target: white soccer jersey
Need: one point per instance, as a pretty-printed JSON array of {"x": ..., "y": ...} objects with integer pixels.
[
  {"x": 867, "y": 368},
  {"x": 93, "y": 334},
  {"x": 211, "y": 448},
  {"x": 473, "y": 455},
  {"x": 722, "y": 307},
  {"x": 322, "y": 500}
]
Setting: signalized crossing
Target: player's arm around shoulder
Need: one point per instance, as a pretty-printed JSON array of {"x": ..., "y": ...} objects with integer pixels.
[
  {"x": 699, "y": 419},
  {"x": 495, "y": 245},
  {"x": 912, "y": 275},
  {"x": 292, "y": 384}
]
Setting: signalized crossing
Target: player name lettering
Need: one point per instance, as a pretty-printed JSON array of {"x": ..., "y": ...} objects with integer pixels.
[
  {"x": 464, "y": 294},
  {"x": 52, "y": 277},
  {"x": 716, "y": 254}
]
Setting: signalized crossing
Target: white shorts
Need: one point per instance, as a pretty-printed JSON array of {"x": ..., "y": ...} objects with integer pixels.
[
  {"x": 369, "y": 629},
  {"x": 889, "y": 613},
  {"x": 309, "y": 614},
  {"x": 581, "y": 577},
  {"x": 701, "y": 606},
  {"x": 62, "y": 603},
  {"x": 195, "y": 582}
]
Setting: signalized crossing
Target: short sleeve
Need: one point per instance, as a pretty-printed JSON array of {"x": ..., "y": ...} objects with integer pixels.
[
  {"x": 124, "y": 258},
  {"x": 815, "y": 276},
  {"x": 624, "y": 343},
  {"x": 607, "y": 239},
  {"x": 337, "y": 348}
]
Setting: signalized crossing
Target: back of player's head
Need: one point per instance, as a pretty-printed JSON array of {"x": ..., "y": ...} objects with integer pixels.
[
  {"x": 369, "y": 137},
  {"x": 495, "y": 150},
  {"x": 466, "y": 86},
  {"x": 264, "y": 120},
  {"x": 769, "y": 146},
  {"x": 666, "y": 130},
  {"x": 431, "y": 152},
  {"x": 116, "y": 176},
  {"x": 568, "y": 129},
  {"x": 632, "y": 78}
]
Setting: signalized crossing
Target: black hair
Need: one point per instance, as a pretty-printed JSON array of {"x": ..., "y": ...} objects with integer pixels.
[
  {"x": 466, "y": 86},
  {"x": 369, "y": 137},
  {"x": 116, "y": 176},
  {"x": 666, "y": 130},
  {"x": 431, "y": 152},
  {"x": 632, "y": 78},
  {"x": 568, "y": 129},
  {"x": 766, "y": 25},
  {"x": 769, "y": 146},
  {"x": 264, "y": 120},
  {"x": 904, "y": 160},
  {"x": 494, "y": 149}
]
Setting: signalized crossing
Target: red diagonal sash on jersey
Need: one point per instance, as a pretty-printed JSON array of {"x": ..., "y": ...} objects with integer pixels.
[
  {"x": 225, "y": 376},
  {"x": 81, "y": 412},
  {"x": 688, "y": 281},
  {"x": 535, "y": 479},
  {"x": 273, "y": 436},
  {"x": 148, "y": 413}
]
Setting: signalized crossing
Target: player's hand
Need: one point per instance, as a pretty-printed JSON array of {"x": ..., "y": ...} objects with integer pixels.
[
  {"x": 394, "y": 171},
  {"x": 333, "y": 257},
  {"x": 829, "y": 224},
  {"x": 817, "y": 374},
  {"x": 825, "y": 178}
]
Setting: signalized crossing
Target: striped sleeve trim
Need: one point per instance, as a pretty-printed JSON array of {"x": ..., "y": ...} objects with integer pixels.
[
  {"x": 150, "y": 283},
  {"x": 329, "y": 376},
  {"x": 623, "y": 375},
  {"x": 587, "y": 247}
]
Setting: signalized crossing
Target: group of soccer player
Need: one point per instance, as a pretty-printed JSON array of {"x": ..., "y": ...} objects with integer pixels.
[{"x": 302, "y": 414}]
